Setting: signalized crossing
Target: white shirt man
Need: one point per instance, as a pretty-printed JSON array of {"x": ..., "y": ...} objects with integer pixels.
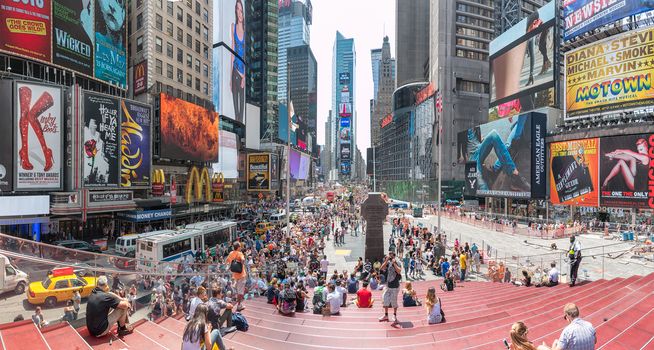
[
  {"x": 553, "y": 275},
  {"x": 324, "y": 266},
  {"x": 334, "y": 300}
]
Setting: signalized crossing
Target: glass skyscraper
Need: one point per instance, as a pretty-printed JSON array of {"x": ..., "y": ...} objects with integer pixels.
[
  {"x": 294, "y": 22},
  {"x": 344, "y": 104}
]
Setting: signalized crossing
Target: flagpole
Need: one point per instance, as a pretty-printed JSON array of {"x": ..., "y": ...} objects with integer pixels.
[
  {"x": 288, "y": 150},
  {"x": 440, "y": 158}
]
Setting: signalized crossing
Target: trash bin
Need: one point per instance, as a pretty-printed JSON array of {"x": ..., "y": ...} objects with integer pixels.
[
  {"x": 625, "y": 236},
  {"x": 631, "y": 235}
]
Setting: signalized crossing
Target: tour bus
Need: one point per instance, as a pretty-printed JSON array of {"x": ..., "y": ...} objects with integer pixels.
[
  {"x": 127, "y": 243},
  {"x": 175, "y": 246}
]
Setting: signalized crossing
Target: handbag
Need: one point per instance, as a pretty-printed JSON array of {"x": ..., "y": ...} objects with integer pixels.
[
  {"x": 236, "y": 266},
  {"x": 442, "y": 312}
]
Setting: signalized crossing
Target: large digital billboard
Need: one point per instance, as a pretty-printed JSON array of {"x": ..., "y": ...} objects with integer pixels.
[
  {"x": 228, "y": 160},
  {"x": 610, "y": 75},
  {"x": 38, "y": 137},
  {"x": 25, "y": 28},
  {"x": 231, "y": 85},
  {"x": 102, "y": 140},
  {"x": 229, "y": 16},
  {"x": 581, "y": 16},
  {"x": 305, "y": 164},
  {"x": 188, "y": 131},
  {"x": 110, "y": 38},
  {"x": 295, "y": 164},
  {"x": 505, "y": 158},
  {"x": 135, "y": 144},
  {"x": 258, "y": 172},
  {"x": 6, "y": 140},
  {"x": 626, "y": 164},
  {"x": 73, "y": 37},
  {"x": 574, "y": 172},
  {"x": 522, "y": 69}
]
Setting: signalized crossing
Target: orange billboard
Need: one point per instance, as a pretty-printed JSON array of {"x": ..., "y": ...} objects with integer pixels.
[
  {"x": 574, "y": 172},
  {"x": 188, "y": 131}
]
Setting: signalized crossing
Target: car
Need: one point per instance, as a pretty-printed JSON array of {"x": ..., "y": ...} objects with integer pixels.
[
  {"x": 263, "y": 227},
  {"x": 126, "y": 262},
  {"x": 80, "y": 269},
  {"x": 59, "y": 286},
  {"x": 79, "y": 245},
  {"x": 245, "y": 225}
]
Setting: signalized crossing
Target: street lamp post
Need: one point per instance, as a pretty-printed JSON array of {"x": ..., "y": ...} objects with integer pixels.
[{"x": 288, "y": 151}]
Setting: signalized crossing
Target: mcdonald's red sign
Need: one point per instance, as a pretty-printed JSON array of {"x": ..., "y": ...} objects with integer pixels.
[{"x": 140, "y": 78}]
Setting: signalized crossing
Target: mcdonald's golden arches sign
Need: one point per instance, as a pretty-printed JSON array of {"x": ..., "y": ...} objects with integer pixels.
[{"x": 140, "y": 78}]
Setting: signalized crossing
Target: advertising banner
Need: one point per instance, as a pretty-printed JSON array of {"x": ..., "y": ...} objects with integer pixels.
[
  {"x": 145, "y": 215},
  {"x": 232, "y": 86},
  {"x": 345, "y": 95},
  {"x": 305, "y": 164},
  {"x": 274, "y": 167},
  {"x": 230, "y": 17},
  {"x": 574, "y": 172},
  {"x": 135, "y": 144},
  {"x": 344, "y": 109},
  {"x": 346, "y": 169},
  {"x": 229, "y": 34},
  {"x": 610, "y": 75},
  {"x": 346, "y": 152},
  {"x": 73, "y": 34},
  {"x": 259, "y": 172},
  {"x": 295, "y": 165},
  {"x": 110, "y": 38},
  {"x": 25, "y": 28},
  {"x": 101, "y": 141},
  {"x": 582, "y": 16},
  {"x": 344, "y": 78},
  {"x": 6, "y": 140},
  {"x": 140, "y": 78},
  {"x": 188, "y": 131},
  {"x": 522, "y": 72},
  {"x": 626, "y": 163},
  {"x": 110, "y": 196},
  {"x": 228, "y": 161},
  {"x": 38, "y": 137},
  {"x": 505, "y": 158}
]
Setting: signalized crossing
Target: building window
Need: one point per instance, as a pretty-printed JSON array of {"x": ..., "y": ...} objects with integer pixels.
[
  {"x": 169, "y": 28},
  {"x": 197, "y": 84},
  {"x": 189, "y": 4},
  {"x": 189, "y": 21},
  {"x": 197, "y": 27},
  {"x": 197, "y": 46},
  {"x": 180, "y": 14},
  {"x": 169, "y": 8},
  {"x": 160, "y": 4},
  {"x": 139, "y": 44},
  {"x": 169, "y": 71},
  {"x": 205, "y": 70},
  {"x": 205, "y": 88},
  {"x": 139, "y": 21},
  {"x": 189, "y": 61},
  {"x": 205, "y": 33},
  {"x": 189, "y": 41},
  {"x": 197, "y": 65},
  {"x": 197, "y": 8},
  {"x": 205, "y": 51},
  {"x": 189, "y": 80},
  {"x": 159, "y": 22},
  {"x": 180, "y": 55},
  {"x": 205, "y": 15},
  {"x": 180, "y": 35},
  {"x": 169, "y": 50},
  {"x": 463, "y": 85},
  {"x": 159, "y": 44},
  {"x": 180, "y": 76},
  {"x": 158, "y": 67}
]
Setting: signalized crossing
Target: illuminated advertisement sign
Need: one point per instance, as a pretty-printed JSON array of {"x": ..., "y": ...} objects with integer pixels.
[
  {"x": 582, "y": 16},
  {"x": 574, "y": 172},
  {"x": 188, "y": 131},
  {"x": 386, "y": 120},
  {"x": 505, "y": 158},
  {"x": 135, "y": 145},
  {"x": 626, "y": 167},
  {"x": 305, "y": 164},
  {"x": 38, "y": 137},
  {"x": 102, "y": 140},
  {"x": 73, "y": 38},
  {"x": 110, "y": 38},
  {"x": 25, "y": 28},
  {"x": 345, "y": 122},
  {"x": 522, "y": 72},
  {"x": 344, "y": 78},
  {"x": 295, "y": 164},
  {"x": 344, "y": 109},
  {"x": 346, "y": 168},
  {"x": 258, "y": 172},
  {"x": 228, "y": 160},
  {"x": 140, "y": 78},
  {"x": 346, "y": 152},
  {"x": 609, "y": 75},
  {"x": 425, "y": 93}
]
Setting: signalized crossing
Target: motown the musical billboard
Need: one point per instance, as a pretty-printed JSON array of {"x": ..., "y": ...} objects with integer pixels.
[{"x": 612, "y": 74}]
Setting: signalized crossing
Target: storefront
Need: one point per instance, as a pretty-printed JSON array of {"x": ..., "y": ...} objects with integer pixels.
[{"x": 25, "y": 216}]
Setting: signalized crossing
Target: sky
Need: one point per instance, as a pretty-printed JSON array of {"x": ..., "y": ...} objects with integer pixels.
[{"x": 366, "y": 21}]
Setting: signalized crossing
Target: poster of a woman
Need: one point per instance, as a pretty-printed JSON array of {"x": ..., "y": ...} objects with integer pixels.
[{"x": 238, "y": 67}]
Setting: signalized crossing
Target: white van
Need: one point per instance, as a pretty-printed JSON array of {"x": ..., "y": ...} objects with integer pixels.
[
  {"x": 127, "y": 244},
  {"x": 12, "y": 278},
  {"x": 278, "y": 220},
  {"x": 310, "y": 201}
]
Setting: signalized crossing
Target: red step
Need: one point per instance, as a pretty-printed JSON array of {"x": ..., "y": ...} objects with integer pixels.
[
  {"x": 16, "y": 335},
  {"x": 63, "y": 336}
]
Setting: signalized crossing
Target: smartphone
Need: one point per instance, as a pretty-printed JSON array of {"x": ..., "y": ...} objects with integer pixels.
[{"x": 506, "y": 344}]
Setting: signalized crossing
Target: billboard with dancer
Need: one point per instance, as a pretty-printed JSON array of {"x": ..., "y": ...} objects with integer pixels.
[{"x": 574, "y": 172}]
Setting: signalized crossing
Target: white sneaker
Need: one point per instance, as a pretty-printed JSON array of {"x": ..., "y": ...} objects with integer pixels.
[{"x": 383, "y": 318}]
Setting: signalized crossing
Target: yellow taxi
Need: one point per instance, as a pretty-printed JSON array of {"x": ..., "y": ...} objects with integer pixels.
[
  {"x": 59, "y": 286},
  {"x": 262, "y": 227}
]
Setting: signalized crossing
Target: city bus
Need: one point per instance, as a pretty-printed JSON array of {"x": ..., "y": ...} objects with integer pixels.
[
  {"x": 174, "y": 246},
  {"x": 127, "y": 243}
]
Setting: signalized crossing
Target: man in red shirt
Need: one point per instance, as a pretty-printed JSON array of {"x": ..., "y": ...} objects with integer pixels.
[
  {"x": 364, "y": 297},
  {"x": 238, "y": 277}
]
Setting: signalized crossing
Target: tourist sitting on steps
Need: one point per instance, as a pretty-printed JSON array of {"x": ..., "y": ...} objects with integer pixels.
[{"x": 99, "y": 319}]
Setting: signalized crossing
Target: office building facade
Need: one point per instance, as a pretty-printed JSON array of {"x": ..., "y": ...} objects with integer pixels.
[
  {"x": 412, "y": 41},
  {"x": 303, "y": 86},
  {"x": 294, "y": 23},
  {"x": 385, "y": 84},
  {"x": 343, "y": 134}
]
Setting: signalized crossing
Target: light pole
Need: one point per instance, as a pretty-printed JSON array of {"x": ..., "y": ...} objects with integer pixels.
[{"x": 288, "y": 151}]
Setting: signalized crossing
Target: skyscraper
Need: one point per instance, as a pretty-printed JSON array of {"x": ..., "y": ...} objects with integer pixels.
[
  {"x": 261, "y": 58},
  {"x": 303, "y": 88},
  {"x": 509, "y": 12},
  {"x": 412, "y": 41},
  {"x": 375, "y": 59},
  {"x": 385, "y": 85},
  {"x": 344, "y": 104},
  {"x": 294, "y": 22}
]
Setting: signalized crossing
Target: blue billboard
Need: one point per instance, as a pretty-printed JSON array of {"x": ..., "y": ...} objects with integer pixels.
[
  {"x": 282, "y": 130},
  {"x": 581, "y": 16}
]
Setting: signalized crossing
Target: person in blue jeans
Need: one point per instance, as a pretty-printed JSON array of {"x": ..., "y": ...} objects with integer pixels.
[
  {"x": 445, "y": 267},
  {"x": 480, "y": 149}
]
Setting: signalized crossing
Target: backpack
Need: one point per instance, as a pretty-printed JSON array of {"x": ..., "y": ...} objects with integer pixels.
[
  {"x": 317, "y": 296},
  {"x": 236, "y": 266},
  {"x": 240, "y": 322},
  {"x": 317, "y": 308}
]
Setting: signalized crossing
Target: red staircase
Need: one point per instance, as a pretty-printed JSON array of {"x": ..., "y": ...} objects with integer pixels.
[{"x": 479, "y": 316}]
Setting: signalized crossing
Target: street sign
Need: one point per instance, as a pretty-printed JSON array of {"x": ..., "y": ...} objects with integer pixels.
[{"x": 260, "y": 195}]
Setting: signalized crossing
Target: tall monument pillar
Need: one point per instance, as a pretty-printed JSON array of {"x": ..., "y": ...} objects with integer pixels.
[{"x": 374, "y": 210}]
